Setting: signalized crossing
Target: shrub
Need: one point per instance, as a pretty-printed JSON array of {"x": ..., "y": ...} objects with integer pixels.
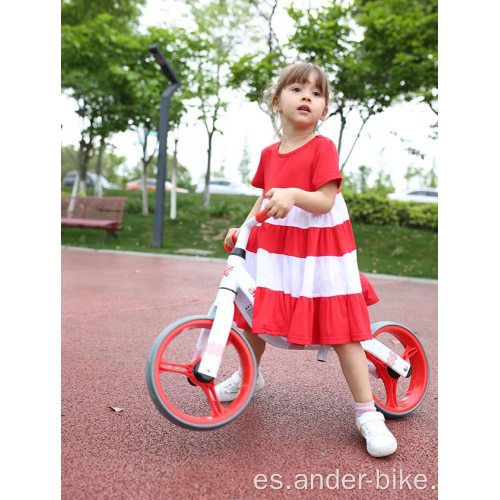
[{"x": 378, "y": 211}]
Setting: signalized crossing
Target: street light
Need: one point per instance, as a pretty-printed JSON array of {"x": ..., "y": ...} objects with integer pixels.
[{"x": 161, "y": 175}]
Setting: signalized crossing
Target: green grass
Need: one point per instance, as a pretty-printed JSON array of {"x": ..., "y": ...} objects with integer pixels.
[{"x": 381, "y": 249}]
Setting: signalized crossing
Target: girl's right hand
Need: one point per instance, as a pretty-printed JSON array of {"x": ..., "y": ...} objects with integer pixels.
[{"x": 229, "y": 237}]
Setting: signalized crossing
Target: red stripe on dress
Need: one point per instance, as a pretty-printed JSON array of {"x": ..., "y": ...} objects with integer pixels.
[
  {"x": 296, "y": 242},
  {"x": 341, "y": 319}
]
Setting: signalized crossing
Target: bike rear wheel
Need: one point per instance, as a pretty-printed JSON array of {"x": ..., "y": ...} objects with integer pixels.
[
  {"x": 396, "y": 396},
  {"x": 176, "y": 391}
]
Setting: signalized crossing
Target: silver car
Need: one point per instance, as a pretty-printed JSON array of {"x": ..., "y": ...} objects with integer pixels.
[
  {"x": 225, "y": 186},
  {"x": 423, "y": 195}
]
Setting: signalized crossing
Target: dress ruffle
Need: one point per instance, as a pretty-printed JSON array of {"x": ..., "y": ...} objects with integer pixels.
[{"x": 340, "y": 319}]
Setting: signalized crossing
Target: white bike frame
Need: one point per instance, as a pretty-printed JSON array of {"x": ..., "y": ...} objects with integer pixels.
[{"x": 237, "y": 286}]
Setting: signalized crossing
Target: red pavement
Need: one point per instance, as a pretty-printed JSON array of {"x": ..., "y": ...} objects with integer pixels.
[{"x": 113, "y": 308}]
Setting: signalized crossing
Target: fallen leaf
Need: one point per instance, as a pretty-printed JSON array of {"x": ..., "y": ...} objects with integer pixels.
[{"x": 116, "y": 409}]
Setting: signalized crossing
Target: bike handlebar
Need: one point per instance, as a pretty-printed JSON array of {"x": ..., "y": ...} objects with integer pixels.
[{"x": 261, "y": 216}]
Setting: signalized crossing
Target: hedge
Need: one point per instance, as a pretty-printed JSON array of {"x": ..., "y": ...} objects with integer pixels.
[{"x": 365, "y": 208}]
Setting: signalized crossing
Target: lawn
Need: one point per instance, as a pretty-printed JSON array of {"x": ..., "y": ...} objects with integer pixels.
[{"x": 381, "y": 249}]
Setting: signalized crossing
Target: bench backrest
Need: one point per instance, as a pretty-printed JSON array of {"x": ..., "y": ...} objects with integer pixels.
[{"x": 93, "y": 207}]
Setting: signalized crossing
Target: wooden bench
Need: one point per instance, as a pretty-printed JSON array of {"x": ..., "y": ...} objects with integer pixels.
[{"x": 93, "y": 212}]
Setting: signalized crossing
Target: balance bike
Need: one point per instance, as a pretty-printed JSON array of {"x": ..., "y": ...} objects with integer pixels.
[{"x": 188, "y": 356}]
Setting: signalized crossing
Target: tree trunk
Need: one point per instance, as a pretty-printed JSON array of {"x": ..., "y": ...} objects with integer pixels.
[
  {"x": 206, "y": 193},
  {"x": 144, "y": 176},
  {"x": 343, "y": 121},
  {"x": 82, "y": 184},
  {"x": 98, "y": 182},
  {"x": 173, "y": 193},
  {"x": 357, "y": 137}
]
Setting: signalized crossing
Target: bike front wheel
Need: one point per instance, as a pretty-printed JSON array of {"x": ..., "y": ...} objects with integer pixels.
[
  {"x": 175, "y": 389},
  {"x": 396, "y": 396}
]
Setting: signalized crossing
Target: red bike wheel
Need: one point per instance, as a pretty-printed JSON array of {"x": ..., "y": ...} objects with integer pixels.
[
  {"x": 171, "y": 364},
  {"x": 396, "y": 396}
]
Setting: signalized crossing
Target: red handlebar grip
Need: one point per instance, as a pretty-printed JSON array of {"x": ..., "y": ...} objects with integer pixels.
[
  {"x": 262, "y": 216},
  {"x": 229, "y": 249}
]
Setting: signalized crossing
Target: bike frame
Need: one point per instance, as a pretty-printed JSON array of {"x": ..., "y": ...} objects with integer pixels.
[{"x": 238, "y": 287}]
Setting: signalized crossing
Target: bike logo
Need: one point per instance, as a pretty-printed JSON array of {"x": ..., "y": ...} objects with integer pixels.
[
  {"x": 391, "y": 360},
  {"x": 228, "y": 270}
]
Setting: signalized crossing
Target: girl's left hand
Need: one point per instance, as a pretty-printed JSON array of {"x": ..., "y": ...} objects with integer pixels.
[{"x": 281, "y": 201}]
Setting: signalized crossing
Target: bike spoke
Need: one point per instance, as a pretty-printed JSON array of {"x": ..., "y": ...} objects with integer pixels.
[
  {"x": 166, "y": 366},
  {"x": 408, "y": 353},
  {"x": 390, "y": 386},
  {"x": 216, "y": 408},
  {"x": 379, "y": 365}
]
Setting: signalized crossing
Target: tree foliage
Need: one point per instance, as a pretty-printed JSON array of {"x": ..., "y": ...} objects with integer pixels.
[{"x": 395, "y": 59}]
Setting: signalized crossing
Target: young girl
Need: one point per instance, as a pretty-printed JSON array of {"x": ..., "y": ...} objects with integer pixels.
[{"x": 303, "y": 258}]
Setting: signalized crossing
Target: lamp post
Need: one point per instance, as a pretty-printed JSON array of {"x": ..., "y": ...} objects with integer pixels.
[{"x": 161, "y": 175}]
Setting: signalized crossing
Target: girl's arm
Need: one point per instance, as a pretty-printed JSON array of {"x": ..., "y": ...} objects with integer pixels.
[
  {"x": 228, "y": 240},
  {"x": 257, "y": 207},
  {"x": 318, "y": 202}
]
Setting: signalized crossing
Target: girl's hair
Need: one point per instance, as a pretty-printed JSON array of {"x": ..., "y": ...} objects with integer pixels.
[{"x": 298, "y": 72}]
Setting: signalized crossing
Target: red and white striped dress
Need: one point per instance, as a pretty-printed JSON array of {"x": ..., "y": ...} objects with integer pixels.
[{"x": 309, "y": 288}]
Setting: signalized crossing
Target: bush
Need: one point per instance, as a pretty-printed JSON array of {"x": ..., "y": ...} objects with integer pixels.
[
  {"x": 377, "y": 211},
  {"x": 365, "y": 208}
]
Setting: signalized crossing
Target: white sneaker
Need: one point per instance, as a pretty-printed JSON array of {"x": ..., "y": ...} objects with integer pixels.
[
  {"x": 379, "y": 440},
  {"x": 230, "y": 388}
]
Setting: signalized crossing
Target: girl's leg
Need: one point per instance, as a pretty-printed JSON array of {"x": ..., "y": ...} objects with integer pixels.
[
  {"x": 355, "y": 369},
  {"x": 379, "y": 440},
  {"x": 258, "y": 345}
]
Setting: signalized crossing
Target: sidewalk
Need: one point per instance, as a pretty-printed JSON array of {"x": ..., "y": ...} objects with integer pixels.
[{"x": 114, "y": 304}]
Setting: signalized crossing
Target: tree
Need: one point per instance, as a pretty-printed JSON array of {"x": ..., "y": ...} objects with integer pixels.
[
  {"x": 364, "y": 173},
  {"x": 147, "y": 83},
  {"x": 110, "y": 163},
  {"x": 220, "y": 174},
  {"x": 383, "y": 184},
  {"x": 77, "y": 12},
  {"x": 414, "y": 173},
  {"x": 403, "y": 38},
  {"x": 184, "y": 179},
  {"x": 222, "y": 27},
  {"x": 92, "y": 64},
  {"x": 243, "y": 167},
  {"x": 431, "y": 180},
  {"x": 399, "y": 42}
]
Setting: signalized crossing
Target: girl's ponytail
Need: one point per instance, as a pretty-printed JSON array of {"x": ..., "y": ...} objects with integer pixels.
[{"x": 269, "y": 93}]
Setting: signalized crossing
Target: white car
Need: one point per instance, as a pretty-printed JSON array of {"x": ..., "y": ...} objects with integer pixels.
[
  {"x": 225, "y": 186},
  {"x": 423, "y": 195}
]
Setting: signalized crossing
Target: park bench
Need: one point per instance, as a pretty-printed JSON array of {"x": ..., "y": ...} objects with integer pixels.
[{"x": 93, "y": 212}]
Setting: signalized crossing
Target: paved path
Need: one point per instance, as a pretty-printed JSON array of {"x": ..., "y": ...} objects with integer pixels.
[{"x": 115, "y": 305}]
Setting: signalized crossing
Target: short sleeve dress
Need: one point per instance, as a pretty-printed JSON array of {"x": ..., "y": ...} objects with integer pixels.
[{"x": 309, "y": 288}]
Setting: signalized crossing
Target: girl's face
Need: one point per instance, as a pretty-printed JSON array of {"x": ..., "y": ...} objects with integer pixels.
[{"x": 301, "y": 105}]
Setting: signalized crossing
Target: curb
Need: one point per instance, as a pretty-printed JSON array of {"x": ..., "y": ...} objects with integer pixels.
[{"x": 215, "y": 259}]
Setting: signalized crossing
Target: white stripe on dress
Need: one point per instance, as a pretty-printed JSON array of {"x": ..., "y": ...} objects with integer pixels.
[
  {"x": 304, "y": 220},
  {"x": 305, "y": 277}
]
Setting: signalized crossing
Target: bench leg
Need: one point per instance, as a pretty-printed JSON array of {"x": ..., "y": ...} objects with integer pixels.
[{"x": 105, "y": 235}]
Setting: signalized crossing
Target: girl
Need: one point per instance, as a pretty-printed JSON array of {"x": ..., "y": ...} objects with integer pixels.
[{"x": 303, "y": 259}]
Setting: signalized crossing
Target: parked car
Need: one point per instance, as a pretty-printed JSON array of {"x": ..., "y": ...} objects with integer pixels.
[
  {"x": 225, "y": 186},
  {"x": 69, "y": 180},
  {"x": 151, "y": 186},
  {"x": 423, "y": 195}
]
